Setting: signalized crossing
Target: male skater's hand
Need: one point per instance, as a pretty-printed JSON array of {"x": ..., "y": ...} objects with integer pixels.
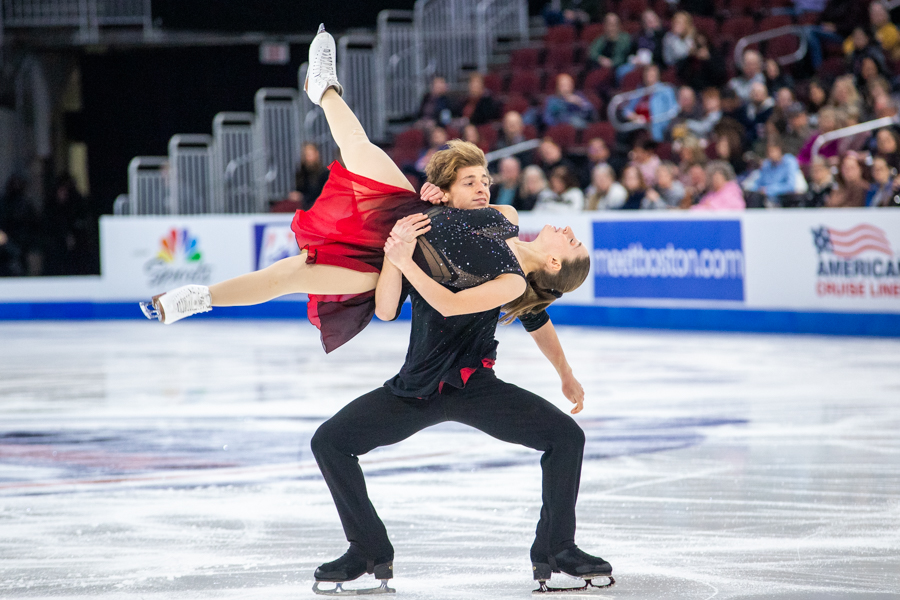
[
  {"x": 432, "y": 193},
  {"x": 572, "y": 390},
  {"x": 401, "y": 243}
]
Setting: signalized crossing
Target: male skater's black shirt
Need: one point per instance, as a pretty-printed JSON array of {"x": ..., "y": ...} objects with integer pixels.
[{"x": 463, "y": 249}]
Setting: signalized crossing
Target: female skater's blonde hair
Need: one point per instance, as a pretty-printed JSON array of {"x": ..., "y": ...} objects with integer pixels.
[{"x": 445, "y": 164}]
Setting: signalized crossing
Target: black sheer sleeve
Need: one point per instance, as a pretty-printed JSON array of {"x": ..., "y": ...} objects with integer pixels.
[{"x": 534, "y": 321}]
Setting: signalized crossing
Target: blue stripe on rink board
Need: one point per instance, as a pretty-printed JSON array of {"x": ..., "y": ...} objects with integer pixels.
[{"x": 758, "y": 321}]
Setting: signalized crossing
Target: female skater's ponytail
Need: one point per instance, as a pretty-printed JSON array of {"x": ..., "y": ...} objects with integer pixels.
[{"x": 544, "y": 287}]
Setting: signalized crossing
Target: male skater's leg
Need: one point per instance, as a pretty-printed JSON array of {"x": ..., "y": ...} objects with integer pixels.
[
  {"x": 378, "y": 418},
  {"x": 514, "y": 415}
]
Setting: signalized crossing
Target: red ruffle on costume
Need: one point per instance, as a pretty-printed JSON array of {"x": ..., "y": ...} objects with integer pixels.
[{"x": 347, "y": 227}]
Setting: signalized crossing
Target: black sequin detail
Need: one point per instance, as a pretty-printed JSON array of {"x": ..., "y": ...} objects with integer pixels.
[{"x": 463, "y": 249}]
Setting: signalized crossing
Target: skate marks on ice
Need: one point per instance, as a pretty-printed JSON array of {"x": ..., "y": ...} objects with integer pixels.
[{"x": 736, "y": 466}]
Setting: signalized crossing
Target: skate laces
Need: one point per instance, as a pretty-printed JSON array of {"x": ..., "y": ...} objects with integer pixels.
[{"x": 189, "y": 301}]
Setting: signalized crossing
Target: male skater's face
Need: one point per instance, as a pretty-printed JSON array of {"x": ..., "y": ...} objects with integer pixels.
[{"x": 472, "y": 189}]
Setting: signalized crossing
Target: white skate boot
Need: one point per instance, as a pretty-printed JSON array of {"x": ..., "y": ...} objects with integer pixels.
[
  {"x": 322, "y": 72},
  {"x": 179, "y": 303}
]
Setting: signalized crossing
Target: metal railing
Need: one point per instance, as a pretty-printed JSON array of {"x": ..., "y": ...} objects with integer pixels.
[
  {"x": 88, "y": 16},
  {"x": 313, "y": 126},
  {"x": 397, "y": 79},
  {"x": 235, "y": 188},
  {"x": 148, "y": 185},
  {"x": 769, "y": 34},
  {"x": 612, "y": 111},
  {"x": 511, "y": 150},
  {"x": 278, "y": 140},
  {"x": 121, "y": 206},
  {"x": 851, "y": 131},
  {"x": 446, "y": 40},
  {"x": 190, "y": 186},
  {"x": 356, "y": 69}
]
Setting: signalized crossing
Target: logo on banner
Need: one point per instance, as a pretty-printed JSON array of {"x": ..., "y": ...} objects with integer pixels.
[
  {"x": 178, "y": 261},
  {"x": 699, "y": 260},
  {"x": 273, "y": 243},
  {"x": 856, "y": 263}
]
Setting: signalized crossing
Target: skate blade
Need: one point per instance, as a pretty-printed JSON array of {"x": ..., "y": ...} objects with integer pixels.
[
  {"x": 150, "y": 311},
  {"x": 340, "y": 591},
  {"x": 588, "y": 588}
]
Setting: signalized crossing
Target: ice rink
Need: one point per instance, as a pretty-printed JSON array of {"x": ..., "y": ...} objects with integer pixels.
[{"x": 139, "y": 461}]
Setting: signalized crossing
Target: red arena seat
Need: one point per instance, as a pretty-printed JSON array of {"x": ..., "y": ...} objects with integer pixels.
[
  {"x": 517, "y": 103},
  {"x": 493, "y": 82},
  {"x": 560, "y": 56},
  {"x": 591, "y": 32},
  {"x": 598, "y": 80},
  {"x": 774, "y": 22},
  {"x": 602, "y": 129},
  {"x": 560, "y": 34},
  {"x": 525, "y": 58},
  {"x": 565, "y": 135},
  {"x": 525, "y": 83}
]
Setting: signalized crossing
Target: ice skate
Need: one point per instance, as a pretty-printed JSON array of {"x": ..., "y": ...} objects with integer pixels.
[
  {"x": 179, "y": 303},
  {"x": 322, "y": 71},
  {"x": 575, "y": 563},
  {"x": 352, "y": 566}
]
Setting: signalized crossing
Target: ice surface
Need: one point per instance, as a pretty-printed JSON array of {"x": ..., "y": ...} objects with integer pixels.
[{"x": 145, "y": 461}]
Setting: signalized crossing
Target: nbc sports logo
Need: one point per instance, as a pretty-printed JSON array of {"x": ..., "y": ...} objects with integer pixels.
[
  {"x": 178, "y": 261},
  {"x": 179, "y": 246}
]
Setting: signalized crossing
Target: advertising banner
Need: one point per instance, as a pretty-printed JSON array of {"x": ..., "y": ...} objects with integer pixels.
[{"x": 683, "y": 259}]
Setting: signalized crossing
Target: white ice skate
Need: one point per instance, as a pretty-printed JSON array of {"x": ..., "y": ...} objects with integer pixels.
[
  {"x": 322, "y": 71},
  {"x": 179, "y": 303}
]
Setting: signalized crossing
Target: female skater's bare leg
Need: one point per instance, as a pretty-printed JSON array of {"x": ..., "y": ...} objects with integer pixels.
[
  {"x": 359, "y": 154},
  {"x": 290, "y": 276}
]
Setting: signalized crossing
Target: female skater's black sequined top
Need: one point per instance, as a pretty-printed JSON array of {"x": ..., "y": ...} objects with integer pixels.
[{"x": 463, "y": 249}]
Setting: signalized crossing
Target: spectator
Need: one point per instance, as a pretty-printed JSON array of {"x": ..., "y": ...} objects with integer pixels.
[
  {"x": 712, "y": 114},
  {"x": 648, "y": 47},
  {"x": 691, "y": 152},
  {"x": 436, "y": 140},
  {"x": 886, "y": 33},
  {"x": 724, "y": 192},
  {"x": 729, "y": 146},
  {"x": 751, "y": 68},
  {"x": 828, "y": 122},
  {"x": 817, "y": 98},
  {"x": 862, "y": 47},
  {"x": 605, "y": 192},
  {"x": 845, "y": 97},
  {"x": 437, "y": 108},
  {"x": 852, "y": 186},
  {"x": 733, "y": 109},
  {"x": 688, "y": 110},
  {"x": 311, "y": 175},
  {"x": 821, "y": 186},
  {"x": 472, "y": 134},
  {"x": 776, "y": 78},
  {"x": 668, "y": 191},
  {"x": 611, "y": 49},
  {"x": 512, "y": 131},
  {"x": 644, "y": 157},
  {"x": 18, "y": 222},
  {"x": 550, "y": 156},
  {"x": 479, "y": 107},
  {"x": 758, "y": 111},
  {"x": 567, "y": 105},
  {"x": 507, "y": 189},
  {"x": 796, "y": 130},
  {"x": 679, "y": 41},
  {"x": 291, "y": 204},
  {"x": 887, "y": 146},
  {"x": 778, "y": 177},
  {"x": 656, "y": 109},
  {"x": 535, "y": 188},
  {"x": 842, "y": 16},
  {"x": 697, "y": 185},
  {"x": 885, "y": 190},
  {"x": 634, "y": 184},
  {"x": 704, "y": 67},
  {"x": 567, "y": 195},
  {"x": 597, "y": 153}
]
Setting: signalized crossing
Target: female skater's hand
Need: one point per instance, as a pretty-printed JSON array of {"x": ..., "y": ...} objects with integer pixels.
[
  {"x": 572, "y": 390},
  {"x": 411, "y": 227},
  {"x": 399, "y": 251},
  {"x": 432, "y": 193}
]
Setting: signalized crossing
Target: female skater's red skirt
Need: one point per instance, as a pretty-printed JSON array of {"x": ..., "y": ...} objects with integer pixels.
[{"x": 347, "y": 227}]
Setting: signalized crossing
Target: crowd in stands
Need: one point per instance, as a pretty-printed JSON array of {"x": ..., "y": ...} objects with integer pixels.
[{"x": 706, "y": 133}]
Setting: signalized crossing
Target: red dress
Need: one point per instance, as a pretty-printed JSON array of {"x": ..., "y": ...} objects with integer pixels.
[{"x": 347, "y": 227}]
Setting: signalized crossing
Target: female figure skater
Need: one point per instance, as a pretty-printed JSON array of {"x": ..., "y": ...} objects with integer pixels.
[{"x": 460, "y": 267}]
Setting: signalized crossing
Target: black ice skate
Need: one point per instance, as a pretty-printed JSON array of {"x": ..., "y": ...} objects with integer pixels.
[
  {"x": 352, "y": 566},
  {"x": 576, "y": 563}
]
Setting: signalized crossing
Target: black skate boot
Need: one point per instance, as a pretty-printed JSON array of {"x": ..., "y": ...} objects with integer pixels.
[
  {"x": 352, "y": 566},
  {"x": 576, "y": 563}
]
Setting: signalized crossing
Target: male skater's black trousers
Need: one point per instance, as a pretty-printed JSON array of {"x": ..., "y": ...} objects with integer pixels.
[{"x": 499, "y": 409}]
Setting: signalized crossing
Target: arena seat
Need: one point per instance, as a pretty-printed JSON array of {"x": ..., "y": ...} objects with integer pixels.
[
  {"x": 598, "y": 80},
  {"x": 560, "y": 34},
  {"x": 525, "y": 83},
  {"x": 525, "y": 58},
  {"x": 565, "y": 135},
  {"x": 601, "y": 129}
]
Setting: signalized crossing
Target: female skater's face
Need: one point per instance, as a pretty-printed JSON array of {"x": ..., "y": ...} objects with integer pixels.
[
  {"x": 561, "y": 243},
  {"x": 472, "y": 189}
]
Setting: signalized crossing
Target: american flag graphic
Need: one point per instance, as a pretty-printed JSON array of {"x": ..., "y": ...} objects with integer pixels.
[{"x": 851, "y": 243}]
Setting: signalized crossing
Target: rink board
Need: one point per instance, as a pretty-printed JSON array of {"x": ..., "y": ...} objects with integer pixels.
[{"x": 828, "y": 271}]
